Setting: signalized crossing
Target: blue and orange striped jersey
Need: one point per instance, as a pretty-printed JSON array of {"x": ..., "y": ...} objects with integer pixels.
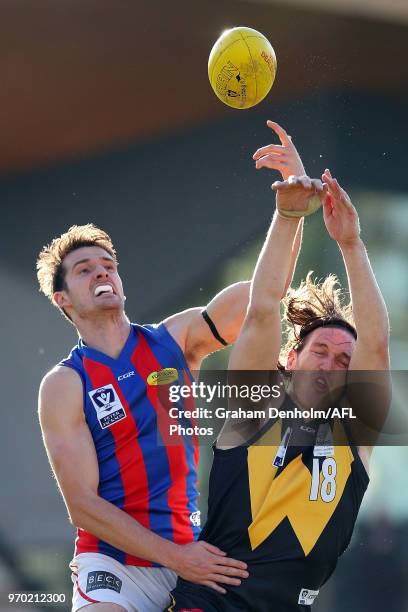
[{"x": 154, "y": 482}]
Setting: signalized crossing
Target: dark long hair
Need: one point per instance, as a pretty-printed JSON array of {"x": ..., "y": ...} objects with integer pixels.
[{"x": 314, "y": 304}]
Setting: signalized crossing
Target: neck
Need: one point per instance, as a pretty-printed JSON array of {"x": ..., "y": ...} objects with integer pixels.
[{"x": 107, "y": 333}]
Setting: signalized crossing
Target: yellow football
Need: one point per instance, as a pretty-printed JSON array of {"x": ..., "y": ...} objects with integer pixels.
[{"x": 242, "y": 67}]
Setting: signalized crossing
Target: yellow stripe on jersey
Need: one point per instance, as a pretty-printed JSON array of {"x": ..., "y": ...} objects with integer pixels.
[{"x": 288, "y": 495}]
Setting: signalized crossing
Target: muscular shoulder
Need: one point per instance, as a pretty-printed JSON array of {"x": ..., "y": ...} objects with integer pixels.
[
  {"x": 180, "y": 325},
  {"x": 60, "y": 396}
]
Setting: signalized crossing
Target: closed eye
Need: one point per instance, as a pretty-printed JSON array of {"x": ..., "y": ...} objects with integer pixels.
[{"x": 344, "y": 364}]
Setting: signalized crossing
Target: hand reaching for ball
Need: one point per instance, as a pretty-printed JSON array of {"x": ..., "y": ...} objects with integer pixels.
[
  {"x": 284, "y": 157},
  {"x": 293, "y": 195},
  {"x": 340, "y": 216}
]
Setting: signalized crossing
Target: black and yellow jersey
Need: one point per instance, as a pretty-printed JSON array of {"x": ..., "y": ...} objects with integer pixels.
[{"x": 285, "y": 503}]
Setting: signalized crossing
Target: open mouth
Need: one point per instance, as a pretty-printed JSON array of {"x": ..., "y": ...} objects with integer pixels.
[
  {"x": 103, "y": 290},
  {"x": 321, "y": 384}
]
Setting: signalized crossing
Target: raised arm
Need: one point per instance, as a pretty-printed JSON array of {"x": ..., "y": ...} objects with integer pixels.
[
  {"x": 368, "y": 380},
  {"x": 72, "y": 455},
  {"x": 369, "y": 310},
  {"x": 228, "y": 308},
  {"x": 258, "y": 345}
]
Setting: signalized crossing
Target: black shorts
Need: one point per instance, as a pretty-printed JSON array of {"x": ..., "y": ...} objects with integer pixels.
[
  {"x": 188, "y": 597},
  {"x": 195, "y": 598}
]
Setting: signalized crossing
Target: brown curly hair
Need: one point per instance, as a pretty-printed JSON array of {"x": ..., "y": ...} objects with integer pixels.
[
  {"x": 314, "y": 304},
  {"x": 50, "y": 268}
]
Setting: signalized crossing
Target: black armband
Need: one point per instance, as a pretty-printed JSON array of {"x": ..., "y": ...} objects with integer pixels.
[{"x": 214, "y": 330}]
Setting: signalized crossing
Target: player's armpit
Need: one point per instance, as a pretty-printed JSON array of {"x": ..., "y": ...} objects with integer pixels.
[
  {"x": 193, "y": 333},
  {"x": 258, "y": 345}
]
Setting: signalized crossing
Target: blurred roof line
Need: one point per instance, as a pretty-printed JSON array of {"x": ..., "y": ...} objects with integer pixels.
[
  {"x": 82, "y": 77},
  {"x": 388, "y": 10}
]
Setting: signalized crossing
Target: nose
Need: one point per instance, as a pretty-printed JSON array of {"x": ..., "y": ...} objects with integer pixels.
[
  {"x": 325, "y": 363},
  {"x": 328, "y": 364},
  {"x": 100, "y": 272}
]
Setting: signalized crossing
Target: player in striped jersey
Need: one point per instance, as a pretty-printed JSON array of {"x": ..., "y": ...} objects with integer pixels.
[{"x": 132, "y": 498}]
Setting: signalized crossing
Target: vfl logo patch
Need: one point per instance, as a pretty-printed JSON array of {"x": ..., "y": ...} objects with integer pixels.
[
  {"x": 109, "y": 408},
  {"x": 162, "y": 377},
  {"x": 307, "y": 597},
  {"x": 195, "y": 518},
  {"x": 103, "y": 580}
]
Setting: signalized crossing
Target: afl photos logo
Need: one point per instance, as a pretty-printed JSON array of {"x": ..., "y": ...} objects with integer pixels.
[{"x": 109, "y": 408}]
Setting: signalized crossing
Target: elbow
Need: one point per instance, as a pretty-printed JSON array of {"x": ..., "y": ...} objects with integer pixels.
[
  {"x": 378, "y": 343},
  {"x": 73, "y": 519},
  {"x": 76, "y": 516},
  {"x": 78, "y": 511},
  {"x": 377, "y": 350},
  {"x": 262, "y": 311},
  {"x": 382, "y": 351}
]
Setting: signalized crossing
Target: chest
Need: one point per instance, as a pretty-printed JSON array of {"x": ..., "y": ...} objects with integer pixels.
[{"x": 127, "y": 397}]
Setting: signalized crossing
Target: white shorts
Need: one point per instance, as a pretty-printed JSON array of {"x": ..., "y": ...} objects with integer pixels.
[{"x": 99, "y": 578}]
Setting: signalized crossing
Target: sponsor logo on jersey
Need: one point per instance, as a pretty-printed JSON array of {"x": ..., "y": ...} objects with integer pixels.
[
  {"x": 307, "y": 597},
  {"x": 103, "y": 580},
  {"x": 195, "y": 518},
  {"x": 162, "y": 377},
  {"x": 109, "y": 408},
  {"x": 307, "y": 429},
  {"x": 324, "y": 442},
  {"x": 127, "y": 375}
]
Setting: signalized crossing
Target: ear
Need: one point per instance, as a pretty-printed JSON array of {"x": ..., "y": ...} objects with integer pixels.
[
  {"x": 291, "y": 360},
  {"x": 61, "y": 299}
]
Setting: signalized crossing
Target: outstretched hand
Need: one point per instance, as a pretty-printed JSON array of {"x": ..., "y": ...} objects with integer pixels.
[
  {"x": 283, "y": 157},
  {"x": 203, "y": 563},
  {"x": 293, "y": 195},
  {"x": 340, "y": 216}
]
